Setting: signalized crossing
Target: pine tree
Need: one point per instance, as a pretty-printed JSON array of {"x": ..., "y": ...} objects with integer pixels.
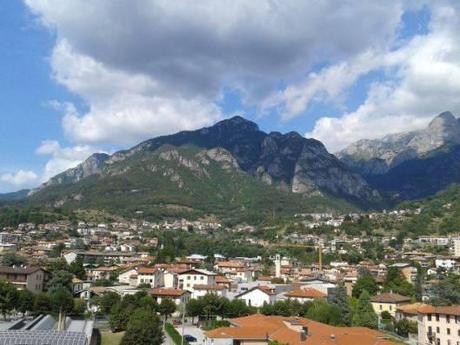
[{"x": 340, "y": 299}]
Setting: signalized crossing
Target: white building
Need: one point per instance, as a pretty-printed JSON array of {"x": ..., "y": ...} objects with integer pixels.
[
  {"x": 439, "y": 325},
  {"x": 457, "y": 247},
  {"x": 189, "y": 278},
  {"x": 447, "y": 264},
  {"x": 258, "y": 296}
]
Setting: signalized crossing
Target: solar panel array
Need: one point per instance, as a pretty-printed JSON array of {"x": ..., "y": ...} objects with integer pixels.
[{"x": 42, "y": 338}]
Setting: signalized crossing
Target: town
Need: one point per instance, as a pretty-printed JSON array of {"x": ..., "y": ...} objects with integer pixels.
[{"x": 407, "y": 291}]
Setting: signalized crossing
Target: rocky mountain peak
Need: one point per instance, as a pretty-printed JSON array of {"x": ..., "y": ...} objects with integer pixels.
[
  {"x": 444, "y": 121},
  {"x": 237, "y": 123}
]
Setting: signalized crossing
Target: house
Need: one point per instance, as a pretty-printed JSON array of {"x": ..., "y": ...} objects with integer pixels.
[
  {"x": 187, "y": 279},
  {"x": 305, "y": 295},
  {"x": 179, "y": 296},
  {"x": 389, "y": 302},
  {"x": 262, "y": 330},
  {"x": 128, "y": 277},
  {"x": 439, "y": 325},
  {"x": 258, "y": 296},
  {"x": 409, "y": 311},
  {"x": 199, "y": 290},
  {"x": 150, "y": 275},
  {"x": 77, "y": 286},
  {"x": 31, "y": 278},
  {"x": 224, "y": 281},
  {"x": 100, "y": 273}
]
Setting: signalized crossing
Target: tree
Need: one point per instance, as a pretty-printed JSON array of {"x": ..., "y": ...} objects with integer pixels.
[
  {"x": 404, "y": 327},
  {"x": 77, "y": 269},
  {"x": 25, "y": 301},
  {"x": 62, "y": 302},
  {"x": 194, "y": 308},
  {"x": 396, "y": 283},
  {"x": 119, "y": 316},
  {"x": 364, "y": 315},
  {"x": 42, "y": 304},
  {"x": 167, "y": 307},
  {"x": 324, "y": 312},
  {"x": 8, "y": 297},
  {"x": 365, "y": 282},
  {"x": 60, "y": 280},
  {"x": 144, "y": 328},
  {"x": 107, "y": 301},
  {"x": 11, "y": 259},
  {"x": 447, "y": 291},
  {"x": 339, "y": 298}
]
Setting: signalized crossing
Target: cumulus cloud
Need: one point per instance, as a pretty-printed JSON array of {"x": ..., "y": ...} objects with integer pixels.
[
  {"x": 152, "y": 67},
  {"x": 425, "y": 81},
  {"x": 20, "y": 179},
  {"x": 62, "y": 158}
]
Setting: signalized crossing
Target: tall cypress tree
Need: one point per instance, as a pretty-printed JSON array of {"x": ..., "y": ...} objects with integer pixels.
[
  {"x": 365, "y": 315},
  {"x": 340, "y": 299}
]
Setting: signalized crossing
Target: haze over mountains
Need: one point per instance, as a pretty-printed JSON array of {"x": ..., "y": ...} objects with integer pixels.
[{"x": 233, "y": 166}]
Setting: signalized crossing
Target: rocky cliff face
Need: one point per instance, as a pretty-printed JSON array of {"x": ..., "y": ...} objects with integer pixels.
[
  {"x": 374, "y": 157},
  {"x": 91, "y": 166},
  {"x": 287, "y": 161}
]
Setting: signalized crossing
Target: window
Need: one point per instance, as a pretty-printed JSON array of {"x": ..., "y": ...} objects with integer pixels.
[
  {"x": 429, "y": 317},
  {"x": 391, "y": 307},
  {"x": 437, "y": 330},
  {"x": 380, "y": 307},
  {"x": 448, "y": 318},
  {"x": 202, "y": 278},
  {"x": 448, "y": 331},
  {"x": 437, "y": 317},
  {"x": 430, "y": 330}
]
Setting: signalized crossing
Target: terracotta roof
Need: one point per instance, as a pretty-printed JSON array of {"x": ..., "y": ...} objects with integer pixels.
[
  {"x": 222, "y": 280},
  {"x": 146, "y": 270},
  {"x": 389, "y": 297},
  {"x": 287, "y": 330},
  {"x": 447, "y": 310},
  {"x": 167, "y": 292},
  {"x": 19, "y": 270},
  {"x": 230, "y": 264},
  {"x": 306, "y": 293},
  {"x": 413, "y": 308}
]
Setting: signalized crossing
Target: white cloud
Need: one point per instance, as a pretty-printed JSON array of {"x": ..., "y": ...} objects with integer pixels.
[
  {"x": 425, "y": 81},
  {"x": 62, "y": 158},
  {"x": 153, "y": 67},
  {"x": 20, "y": 179}
]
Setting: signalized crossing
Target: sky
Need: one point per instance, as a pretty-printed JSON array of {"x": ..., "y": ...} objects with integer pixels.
[{"x": 78, "y": 76}]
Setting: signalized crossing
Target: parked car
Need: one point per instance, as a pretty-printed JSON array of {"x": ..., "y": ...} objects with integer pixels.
[{"x": 190, "y": 338}]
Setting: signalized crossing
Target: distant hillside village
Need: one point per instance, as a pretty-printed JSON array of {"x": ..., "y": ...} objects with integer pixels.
[{"x": 411, "y": 292}]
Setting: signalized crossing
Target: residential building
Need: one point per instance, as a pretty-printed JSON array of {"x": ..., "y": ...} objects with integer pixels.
[
  {"x": 389, "y": 302},
  {"x": 30, "y": 278},
  {"x": 439, "y": 325},
  {"x": 456, "y": 247},
  {"x": 259, "y": 329},
  {"x": 187, "y": 279},
  {"x": 150, "y": 275},
  {"x": 258, "y": 296},
  {"x": 179, "y": 296}
]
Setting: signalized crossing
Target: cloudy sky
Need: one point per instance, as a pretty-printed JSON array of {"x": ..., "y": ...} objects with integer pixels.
[{"x": 80, "y": 76}]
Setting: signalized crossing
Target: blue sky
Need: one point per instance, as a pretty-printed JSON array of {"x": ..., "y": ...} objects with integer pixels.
[{"x": 72, "y": 84}]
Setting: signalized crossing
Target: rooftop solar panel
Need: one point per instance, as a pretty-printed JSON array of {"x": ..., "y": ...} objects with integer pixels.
[{"x": 42, "y": 338}]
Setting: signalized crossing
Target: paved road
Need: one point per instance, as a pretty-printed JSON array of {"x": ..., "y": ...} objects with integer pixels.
[{"x": 193, "y": 331}]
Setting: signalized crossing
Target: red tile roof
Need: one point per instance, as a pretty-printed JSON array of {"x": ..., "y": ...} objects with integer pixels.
[
  {"x": 389, "y": 297},
  {"x": 306, "y": 293},
  {"x": 167, "y": 292},
  {"x": 286, "y": 330}
]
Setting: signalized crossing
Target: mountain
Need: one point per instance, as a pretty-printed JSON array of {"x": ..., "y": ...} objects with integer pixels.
[
  {"x": 15, "y": 196},
  {"x": 378, "y": 156},
  {"x": 232, "y": 165}
]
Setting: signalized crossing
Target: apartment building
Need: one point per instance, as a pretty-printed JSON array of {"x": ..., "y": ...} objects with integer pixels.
[
  {"x": 439, "y": 325},
  {"x": 30, "y": 278}
]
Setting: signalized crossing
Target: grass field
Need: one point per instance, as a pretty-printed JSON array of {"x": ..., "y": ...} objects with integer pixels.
[{"x": 109, "y": 338}]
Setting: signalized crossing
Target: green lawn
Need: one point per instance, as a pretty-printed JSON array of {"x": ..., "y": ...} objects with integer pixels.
[{"x": 109, "y": 338}]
